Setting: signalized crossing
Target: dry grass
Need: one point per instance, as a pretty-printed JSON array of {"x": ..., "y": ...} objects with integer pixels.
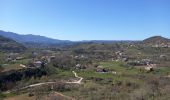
[
  {"x": 21, "y": 97},
  {"x": 11, "y": 67}
]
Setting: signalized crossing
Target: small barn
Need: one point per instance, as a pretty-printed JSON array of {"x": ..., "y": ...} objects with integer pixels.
[{"x": 38, "y": 63}]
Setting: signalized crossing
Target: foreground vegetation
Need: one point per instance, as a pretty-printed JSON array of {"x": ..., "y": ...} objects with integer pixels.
[{"x": 112, "y": 71}]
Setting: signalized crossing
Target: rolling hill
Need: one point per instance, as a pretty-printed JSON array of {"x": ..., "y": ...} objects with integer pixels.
[
  {"x": 157, "y": 41},
  {"x": 9, "y": 45}
]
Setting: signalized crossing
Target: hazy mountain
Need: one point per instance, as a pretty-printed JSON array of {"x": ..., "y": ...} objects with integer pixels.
[
  {"x": 31, "y": 38},
  {"x": 9, "y": 45}
]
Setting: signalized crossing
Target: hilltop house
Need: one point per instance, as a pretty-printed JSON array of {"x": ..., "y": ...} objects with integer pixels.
[
  {"x": 38, "y": 64},
  {"x": 47, "y": 58},
  {"x": 150, "y": 67},
  {"x": 119, "y": 56},
  {"x": 35, "y": 64}
]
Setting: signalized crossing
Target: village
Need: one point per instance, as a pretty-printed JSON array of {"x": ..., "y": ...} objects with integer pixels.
[
  {"x": 70, "y": 72},
  {"x": 36, "y": 61}
]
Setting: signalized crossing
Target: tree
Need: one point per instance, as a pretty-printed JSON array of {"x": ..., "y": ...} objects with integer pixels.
[
  {"x": 64, "y": 62},
  {"x": 1, "y": 68}
]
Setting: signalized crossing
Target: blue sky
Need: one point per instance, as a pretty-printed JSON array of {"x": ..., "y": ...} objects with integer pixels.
[{"x": 87, "y": 19}]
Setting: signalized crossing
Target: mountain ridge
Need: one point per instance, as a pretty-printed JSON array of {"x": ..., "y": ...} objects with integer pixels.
[
  {"x": 38, "y": 39},
  {"x": 31, "y": 38}
]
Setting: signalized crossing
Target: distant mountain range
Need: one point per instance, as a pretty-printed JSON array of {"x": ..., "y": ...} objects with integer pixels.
[
  {"x": 42, "y": 41},
  {"x": 9, "y": 45},
  {"x": 35, "y": 41},
  {"x": 31, "y": 38}
]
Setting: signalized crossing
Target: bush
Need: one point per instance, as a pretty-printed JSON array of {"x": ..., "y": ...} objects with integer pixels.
[
  {"x": 64, "y": 62},
  {"x": 1, "y": 68}
]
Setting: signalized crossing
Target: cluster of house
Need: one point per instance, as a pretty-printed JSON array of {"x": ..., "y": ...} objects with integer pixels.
[
  {"x": 34, "y": 64},
  {"x": 48, "y": 59},
  {"x": 150, "y": 67},
  {"x": 40, "y": 63},
  {"x": 162, "y": 45},
  {"x": 12, "y": 57},
  {"x": 143, "y": 62},
  {"x": 79, "y": 56},
  {"x": 80, "y": 66},
  {"x": 119, "y": 56},
  {"x": 148, "y": 64}
]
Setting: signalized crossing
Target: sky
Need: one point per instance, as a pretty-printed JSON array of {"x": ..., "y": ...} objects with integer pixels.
[{"x": 87, "y": 19}]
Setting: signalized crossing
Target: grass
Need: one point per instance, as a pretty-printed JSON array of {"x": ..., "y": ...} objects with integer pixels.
[
  {"x": 123, "y": 72},
  {"x": 9, "y": 67},
  {"x": 126, "y": 82},
  {"x": 119, "y": 67},
  {"x": 64, "y": 73},
  {"x": 21, "y": 97},
  {"x": 162, "y": 71},
  {"x": 23, "y": 61},
  {"x": 6, "y": 95}
]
